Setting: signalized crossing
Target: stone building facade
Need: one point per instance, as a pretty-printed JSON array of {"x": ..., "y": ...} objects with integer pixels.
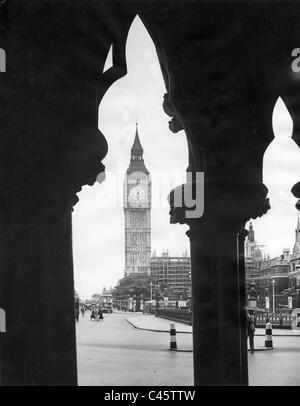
[
  {"x": 294, "y": 276},
  {"x": 173, "y": 273},
  {"x": 275, "y": 271},
  {"x": 283, "y": 272}
]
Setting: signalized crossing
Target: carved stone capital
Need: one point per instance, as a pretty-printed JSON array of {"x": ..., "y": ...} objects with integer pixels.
[
  {"x": 226, "y": 203},
  {"x": 175, "y": 123}
]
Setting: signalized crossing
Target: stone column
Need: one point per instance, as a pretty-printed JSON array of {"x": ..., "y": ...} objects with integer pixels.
[
  {"x": 216, "y": 306},
  {"x": 37, "y": 292},
  {"x": 242, "y": 234},
  {"x": 218, "y": 277}
]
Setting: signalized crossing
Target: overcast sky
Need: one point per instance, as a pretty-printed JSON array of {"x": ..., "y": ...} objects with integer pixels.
[
  {"x": 276, "y": 229},
  {"x": 98, "y": 218}
]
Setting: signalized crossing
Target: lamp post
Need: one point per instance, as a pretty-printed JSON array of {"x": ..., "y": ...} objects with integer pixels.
[
  {"x": 134, "y": 303},
  {"x": 267, "y": 302},
  {"x": 273, "y": 286},
  {"x": 157, "y": 290},
  {"x": 141, "y": 302},
  {"x": 150, "y": 290}
]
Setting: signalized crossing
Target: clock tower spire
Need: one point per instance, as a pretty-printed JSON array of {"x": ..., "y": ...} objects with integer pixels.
[
  {"x": 137, "y": 149},
  {"x": 137, "y": 212},
  {"x": 136, "y": 160}
]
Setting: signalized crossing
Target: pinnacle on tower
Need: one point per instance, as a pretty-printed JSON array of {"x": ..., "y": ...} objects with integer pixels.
[
  {"x": 136, "y": 161},
  {"x": 296, "y": 249},
  {"x": 251, "y": 233},
  {"x": 137, "y": 149}
]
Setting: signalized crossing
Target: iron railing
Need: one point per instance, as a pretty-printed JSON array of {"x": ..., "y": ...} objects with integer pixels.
[
  {"x": 277, "y": 320},
  {"x": 182, "y": 316}
]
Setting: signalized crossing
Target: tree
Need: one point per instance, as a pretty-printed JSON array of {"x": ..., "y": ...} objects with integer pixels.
[{"x": 133, "y": 285}]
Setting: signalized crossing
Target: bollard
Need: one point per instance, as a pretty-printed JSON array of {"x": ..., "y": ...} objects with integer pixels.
[
  {"x": 173, "y": 344},
  {"x": 268, "y": 338}
]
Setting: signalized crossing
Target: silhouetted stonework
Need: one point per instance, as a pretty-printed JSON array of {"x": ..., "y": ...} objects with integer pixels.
[{"x": 224, "y": 64}]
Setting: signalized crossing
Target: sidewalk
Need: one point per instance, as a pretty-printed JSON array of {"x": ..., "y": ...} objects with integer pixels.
[
  {"x": 279, "y": 367},
  {"x": 151, "y": 323},
  {"x": 278, "y": 332}
]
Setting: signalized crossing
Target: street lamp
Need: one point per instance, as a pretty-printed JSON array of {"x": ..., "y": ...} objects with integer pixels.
[
  {"x": 151, "y": 290},
  {"x": 157, "y": 290},
  {"x": 273, "y": 286}
]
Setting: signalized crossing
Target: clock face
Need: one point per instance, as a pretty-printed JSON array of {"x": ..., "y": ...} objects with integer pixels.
[{"x": 137, "y": 195}]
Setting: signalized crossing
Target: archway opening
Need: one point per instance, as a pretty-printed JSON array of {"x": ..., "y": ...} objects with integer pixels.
[
  {"x": 128, "y": 258},
  {"x": 271, "y": 254}
]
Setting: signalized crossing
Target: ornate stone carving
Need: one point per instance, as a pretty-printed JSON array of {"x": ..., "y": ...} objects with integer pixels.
[
  {"x": 225, "y": 201},
  {"x": 296, "y": 192},
  {"x": 175, "y": 124}
]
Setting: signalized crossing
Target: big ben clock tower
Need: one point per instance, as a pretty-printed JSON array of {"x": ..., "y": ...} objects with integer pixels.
[{"x": 137, "y": 211}]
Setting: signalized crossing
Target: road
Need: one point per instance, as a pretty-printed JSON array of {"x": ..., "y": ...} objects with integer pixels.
[{"x": 112, "y": 352}]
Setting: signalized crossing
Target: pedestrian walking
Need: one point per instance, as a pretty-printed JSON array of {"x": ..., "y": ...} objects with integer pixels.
[
  {"x": 93, "y": 315},
  {"x": 251, "y": 329},
  {"x": 100, "y": 314}
]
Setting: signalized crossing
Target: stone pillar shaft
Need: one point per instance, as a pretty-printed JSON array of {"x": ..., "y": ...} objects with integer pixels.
[
  {"x": 37, "y": 292},
  {"x": 216, "y": 307}
]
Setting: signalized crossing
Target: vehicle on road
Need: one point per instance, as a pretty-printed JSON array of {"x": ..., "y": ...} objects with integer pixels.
[
  {"x": 103, "y": 301},
  {"x": 149, "y": 306},
  {"x": 106, "y": 302}
]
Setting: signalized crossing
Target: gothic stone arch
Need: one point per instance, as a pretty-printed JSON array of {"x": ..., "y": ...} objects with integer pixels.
[{"x": 229, "y": 63}]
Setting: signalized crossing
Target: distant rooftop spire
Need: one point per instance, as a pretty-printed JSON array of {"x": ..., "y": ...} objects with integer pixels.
[
  {"x": 137, "y": 161},
  {"x": 251, "y": 237},
  {"x": 296, "y": 249}
]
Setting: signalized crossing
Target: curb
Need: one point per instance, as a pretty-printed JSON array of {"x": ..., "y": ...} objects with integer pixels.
[
  {"x": 161, "y": 331},
  {"x": 190, "y": 332},
  {"x": 278, "y": 335},
  {"x": 156, "y": 330},
  {"x": 171, "y": 349}
]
